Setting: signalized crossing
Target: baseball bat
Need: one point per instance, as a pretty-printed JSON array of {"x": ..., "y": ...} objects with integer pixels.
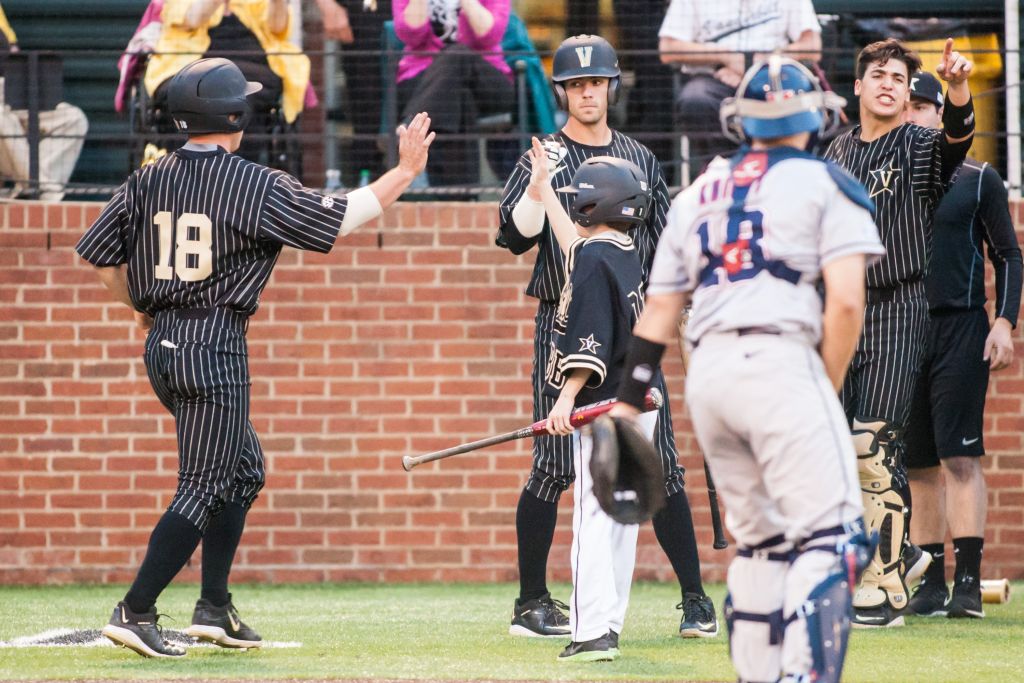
[
  {"x": 719, "y": 542},
  {"x": 580, "y": 416},
  {"x": 716, "y": 516}
]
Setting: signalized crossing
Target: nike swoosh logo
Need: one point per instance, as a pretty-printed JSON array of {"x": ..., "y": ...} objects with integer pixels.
[
  {"x": 968, "y": 443},
  {"x": 557, "y": 169},
  {"x": 235, "y": 625},
  {"x": 705, "y": 624}
]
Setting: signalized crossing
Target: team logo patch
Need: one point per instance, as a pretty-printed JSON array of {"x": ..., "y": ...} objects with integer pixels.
[
  {"x": 883, "y": 179},
  {"x": 327, "y": 202},
  {"x": 736, "y": 256},
  {"x": 588, "y": 344},
  {"x": 752, "y": 167}
]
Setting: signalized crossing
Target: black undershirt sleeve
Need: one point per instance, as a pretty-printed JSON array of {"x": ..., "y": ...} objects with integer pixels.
[{"x": 1003, "y": 248}]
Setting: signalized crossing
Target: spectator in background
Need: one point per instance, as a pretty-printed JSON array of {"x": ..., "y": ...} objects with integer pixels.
[
  {"x": 712, "y": 40},
  {"x": 62, "y": 132},
  {"x": 357, "y": 25},
  {"x": 254, "y": 35},
  {"x": 464, "y": 76},
  {"x": 649, "y": 101}
]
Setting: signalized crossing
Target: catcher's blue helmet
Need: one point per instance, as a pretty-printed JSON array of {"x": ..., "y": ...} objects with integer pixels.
[{"x": 779, "y": 97}]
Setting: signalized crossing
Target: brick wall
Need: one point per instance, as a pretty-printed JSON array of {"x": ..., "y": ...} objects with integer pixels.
[{"x": 412, "y": 336}]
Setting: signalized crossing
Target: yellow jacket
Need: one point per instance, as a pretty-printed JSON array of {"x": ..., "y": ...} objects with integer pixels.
[
  {"x": 285, "y": 59},
  {"x": 5, "y": 26}
]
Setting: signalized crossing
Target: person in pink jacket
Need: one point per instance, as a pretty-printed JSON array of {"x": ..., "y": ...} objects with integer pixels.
[{"x": 453, "y": 69}]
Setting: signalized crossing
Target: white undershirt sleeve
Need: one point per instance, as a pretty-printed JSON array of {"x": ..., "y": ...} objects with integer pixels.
[
  {"x": 528, "y": 216},
  {"x": 362, "y": 206}
]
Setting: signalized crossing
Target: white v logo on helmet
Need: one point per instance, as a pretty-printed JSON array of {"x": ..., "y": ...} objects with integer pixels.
[{"x": 585, "y": 53}]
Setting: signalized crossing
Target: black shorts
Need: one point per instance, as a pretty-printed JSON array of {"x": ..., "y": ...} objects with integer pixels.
[{"x": 947, "y": 414}]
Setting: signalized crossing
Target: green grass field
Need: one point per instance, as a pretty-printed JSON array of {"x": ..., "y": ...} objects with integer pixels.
[{"x": 458, "y": 633}]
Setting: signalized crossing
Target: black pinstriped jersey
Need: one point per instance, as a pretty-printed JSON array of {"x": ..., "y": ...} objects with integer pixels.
[
  {"x": 600, "y": 303},
  {"x": 974, "y": 213},
  {"x": 203, "y": 228},
  {"x": 905, "y": 172},
  {"x": 548, "y": 271}
]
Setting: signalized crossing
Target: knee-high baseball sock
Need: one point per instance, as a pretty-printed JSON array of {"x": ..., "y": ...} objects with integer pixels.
[
  {"x": 172, "y": 542},
  {"x": 968, "y": 551},
  {"x": 219, "y": 545},
  {"x": 936, "y": 572},
  {"x": 535, "y": 531},
  {"x": 673, "y": 527}
]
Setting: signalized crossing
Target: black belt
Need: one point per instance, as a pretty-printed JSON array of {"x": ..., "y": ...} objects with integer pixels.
[
  {"x": 213, "y": 314},
  {"x": 881, "y": 295},
  {"x": 744, "y": 331}
]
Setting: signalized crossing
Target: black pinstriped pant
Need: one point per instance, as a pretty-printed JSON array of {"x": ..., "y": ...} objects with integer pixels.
[
  {"x": 880, "y": 381},
  {"x": 552, "y": 471},
  {"x": 198, "y": 366}
]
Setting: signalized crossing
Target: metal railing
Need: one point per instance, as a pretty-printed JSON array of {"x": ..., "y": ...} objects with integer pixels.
[{"x": 114, "y": 139}]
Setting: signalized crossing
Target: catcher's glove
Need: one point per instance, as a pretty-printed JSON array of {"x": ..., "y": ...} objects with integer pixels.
[{"x": 628, "y": 481}]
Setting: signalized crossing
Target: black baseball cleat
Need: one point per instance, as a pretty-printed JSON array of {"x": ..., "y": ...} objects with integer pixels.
[
  {"x": 929, "y": 599},
  {"x": 539, "y": 618},
  {"x": 613, "y": 638},
  {"x": 883, "y": 616},
  {"x": 596, "y": 650},
  {"x": 699, "y": 619},
  {"x": 221, "y": 626},
  {"x": 915, "y": 562},
  {"x": 139, "y": 633},
  {"x": 966, "y": 600}
]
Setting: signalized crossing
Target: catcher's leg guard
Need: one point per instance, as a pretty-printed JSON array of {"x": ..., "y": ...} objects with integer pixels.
[
  {"x": 885, "y": 513},
  {"x": 818, "y": 625},
  {"x": 753, "y": 609}
]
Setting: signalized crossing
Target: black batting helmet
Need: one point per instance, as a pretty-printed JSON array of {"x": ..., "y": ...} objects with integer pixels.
[
  {"x": 204, "y": 95},
  {"x": 609, "y": 190},
  {"x": 585, "y": 55}
]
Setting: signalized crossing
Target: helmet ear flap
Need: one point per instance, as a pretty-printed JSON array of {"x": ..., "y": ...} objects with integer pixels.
[
  {"x": 613, "y": 90},
  {"x": 560, "y": 97}
]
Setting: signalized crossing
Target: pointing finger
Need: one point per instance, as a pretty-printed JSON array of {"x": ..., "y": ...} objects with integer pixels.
[{"x": 948, "y": 50}]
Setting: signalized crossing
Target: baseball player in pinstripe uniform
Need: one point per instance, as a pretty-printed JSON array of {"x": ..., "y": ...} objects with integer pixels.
[
  {"x": 188, "y": 243},
  {"x": 600, "y": 303},
  {"x": 586, "y": 81},
  {"x": 905, "y": 169},
  {"x": 749, "y": 242},
  {"x": 945, "y": 440}
]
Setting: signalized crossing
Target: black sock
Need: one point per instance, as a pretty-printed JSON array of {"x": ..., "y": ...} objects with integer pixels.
[
  {"x": 936, "y": 572},
  {"x": 219, "y": 545},
  {"x": 172, "y": 542},
  {"x": 968, "y": 551},
  {"x": 535, "y": 531},
  {"x": 673, "y": 527}
]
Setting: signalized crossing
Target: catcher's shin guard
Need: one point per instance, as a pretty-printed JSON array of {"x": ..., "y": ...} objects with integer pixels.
[
  {"x": 753, "y": 609},
  {"x": 885, "y": 513}
]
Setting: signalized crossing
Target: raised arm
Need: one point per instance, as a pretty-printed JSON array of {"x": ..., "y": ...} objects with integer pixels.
[
  {"x": 958, "y": 113},
  {"x": 540, "y": 184},
  {"x": 480, "y": 19}
]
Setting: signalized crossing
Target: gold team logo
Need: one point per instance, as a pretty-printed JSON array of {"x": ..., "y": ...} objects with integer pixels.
[{"x": 883, "y": 179}]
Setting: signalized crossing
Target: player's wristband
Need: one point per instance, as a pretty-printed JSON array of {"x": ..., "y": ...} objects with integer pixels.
[
  {"x": 958, "y": 121},
  {"x": 642, "y": 360}
]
